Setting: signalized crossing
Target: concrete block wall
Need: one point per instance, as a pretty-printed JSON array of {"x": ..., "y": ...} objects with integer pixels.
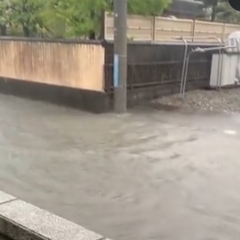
[
  {"x": 22, "y": 221},
  {"x": 155, "y": 70},
  {"x": 141, "y": 95}
]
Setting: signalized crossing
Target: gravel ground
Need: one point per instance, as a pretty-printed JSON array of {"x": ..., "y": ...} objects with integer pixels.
[{"x": 227, "y": 100}]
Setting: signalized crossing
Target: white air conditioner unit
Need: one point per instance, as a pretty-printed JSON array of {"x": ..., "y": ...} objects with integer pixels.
[
  {"x": 227, "y": 74},
  {"x": 225, "y": 69}
]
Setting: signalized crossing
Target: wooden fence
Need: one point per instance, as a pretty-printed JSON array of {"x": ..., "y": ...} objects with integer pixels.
[
  {"x": 142, "y": 28},
  {"x": 76, "y": 65}
]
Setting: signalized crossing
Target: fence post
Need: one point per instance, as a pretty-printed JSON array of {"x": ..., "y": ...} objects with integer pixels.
[
  {"x": 223, "y": 31},
  {"x": 154, "y": 28},
  {"x": 103, "y": 25},
  {"x": 193, "y": 29}
]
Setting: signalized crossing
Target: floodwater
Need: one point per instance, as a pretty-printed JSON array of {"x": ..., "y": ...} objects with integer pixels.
[{"x": 147, "y": 174}]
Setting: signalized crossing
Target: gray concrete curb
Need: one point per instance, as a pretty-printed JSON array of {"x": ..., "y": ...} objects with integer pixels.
[{"x": 22, "y": 221}]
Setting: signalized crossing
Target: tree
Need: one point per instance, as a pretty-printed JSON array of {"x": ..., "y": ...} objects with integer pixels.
[
  {"x": 3, "y": 17},
  {"x": 82, "y": 18},
  {"x": 217, "y": 7},
  {"x": 67, "y": 18},
  {"x": 213, "y": 5},
  {"x": 225, "y": 13},
  {"x": 22, "y": 13},
  {"x": 147, "y": 7}
]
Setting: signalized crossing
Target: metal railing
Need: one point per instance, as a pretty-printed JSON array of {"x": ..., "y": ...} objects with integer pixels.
[{"x": 186, "y": 40}]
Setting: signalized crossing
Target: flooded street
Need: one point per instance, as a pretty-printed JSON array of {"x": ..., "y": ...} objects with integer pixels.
[{"x": 145, "y": 175}]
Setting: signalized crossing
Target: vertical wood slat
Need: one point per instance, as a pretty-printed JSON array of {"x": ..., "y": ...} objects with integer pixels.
[
  {"x": 223, "y": 32},
  {"x": 66, "y": 64},
  {"x": 193, "y": 30},
  {"x": 154, "y": 28}
]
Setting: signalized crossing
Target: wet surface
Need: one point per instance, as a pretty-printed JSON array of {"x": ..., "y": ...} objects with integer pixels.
[
  {"x": 223, "y": 100},
  {"x": 145, "y": 175}
]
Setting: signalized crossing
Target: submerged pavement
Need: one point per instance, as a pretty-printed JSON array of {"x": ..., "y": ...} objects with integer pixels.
[{"x": 147, "y": 174}]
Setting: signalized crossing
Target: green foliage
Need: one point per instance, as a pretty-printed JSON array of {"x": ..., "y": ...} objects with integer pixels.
[
  {"x": 221, "y": 10},
  {"x": 225, "y": 13},
  {"x": 78, "y": 17},
  {"x": 82, "y": 18},
  {"x": 22, "y": 15},
  {"x": 147, "y": 7},
  {"x": 66, "y": 18}
]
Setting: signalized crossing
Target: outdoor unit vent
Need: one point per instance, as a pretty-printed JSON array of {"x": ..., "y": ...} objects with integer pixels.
[{"x": 225, "y": 69}]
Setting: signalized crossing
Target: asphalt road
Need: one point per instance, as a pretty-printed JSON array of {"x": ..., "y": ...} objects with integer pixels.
[{"x": 144, "y": 175}]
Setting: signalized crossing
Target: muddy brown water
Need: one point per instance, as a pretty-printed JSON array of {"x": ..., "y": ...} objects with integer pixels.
[{"x": 147, "y": 174}]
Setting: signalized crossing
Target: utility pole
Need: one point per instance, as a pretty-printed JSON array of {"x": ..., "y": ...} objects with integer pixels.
[{"x": 120, "y": 56}]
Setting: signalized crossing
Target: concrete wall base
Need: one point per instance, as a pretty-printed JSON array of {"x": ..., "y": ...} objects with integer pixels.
[
  {"x": 96, "y": 102},
  {"x": 141, "y": 95}
]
